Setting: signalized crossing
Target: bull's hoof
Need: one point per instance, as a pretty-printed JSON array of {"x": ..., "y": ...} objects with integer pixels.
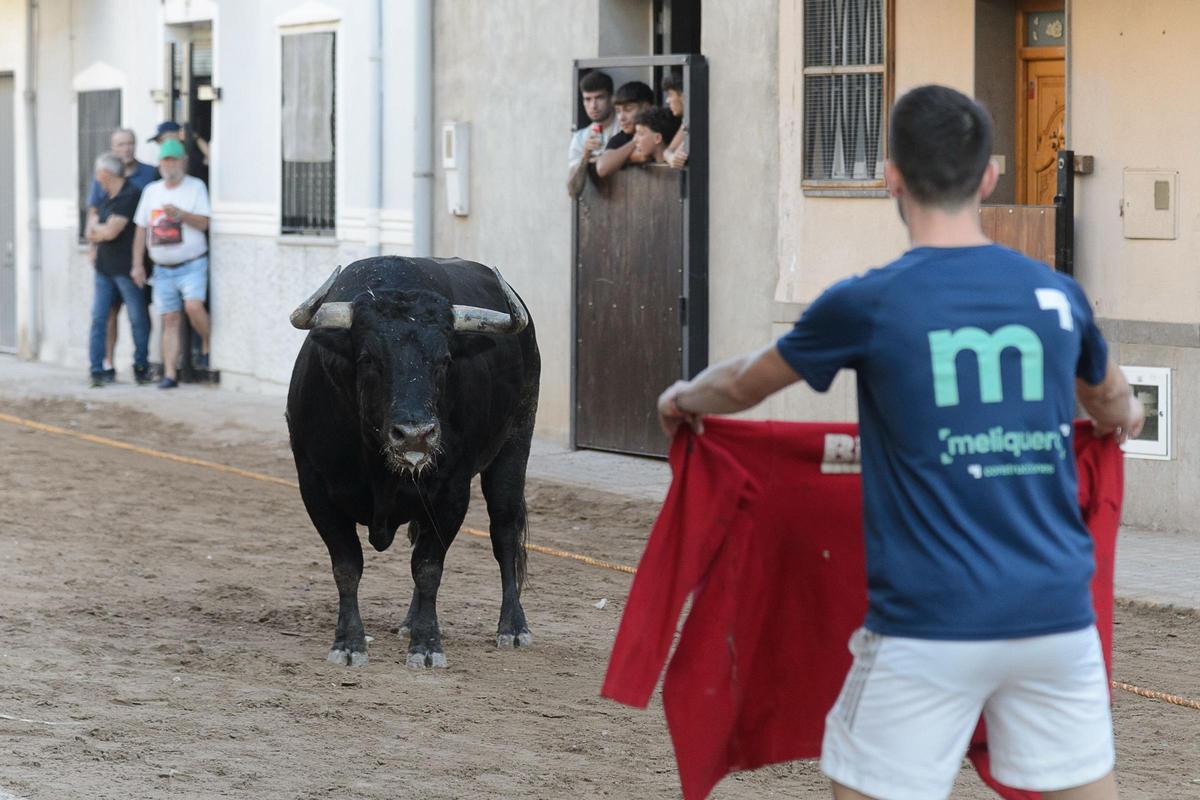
[
  {"x": 347, "y": 658},
  {"x": 426, "y": 660},
  {"x": 507, "y": 640}
]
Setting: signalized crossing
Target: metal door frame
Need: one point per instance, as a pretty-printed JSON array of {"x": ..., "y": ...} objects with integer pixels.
[{"x": 693, "y": 306}]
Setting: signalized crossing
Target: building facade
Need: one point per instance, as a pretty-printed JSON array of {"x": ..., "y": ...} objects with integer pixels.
[{"x": 797, "y": 94}]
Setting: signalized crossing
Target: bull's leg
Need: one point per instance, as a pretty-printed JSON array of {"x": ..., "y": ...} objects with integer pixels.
[
  {"x": 431, "y": 538},
  {"x": 406, "y": 626},
  {"x": 345, "y": 555},
  {"x": 503, "y": 486}
]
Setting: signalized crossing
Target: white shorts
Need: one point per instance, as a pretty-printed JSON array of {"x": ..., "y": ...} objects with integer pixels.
[{"x": 905, "y": 715}]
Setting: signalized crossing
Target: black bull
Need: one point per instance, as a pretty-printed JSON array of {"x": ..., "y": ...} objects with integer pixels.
[{"x": 417, "y": 375}]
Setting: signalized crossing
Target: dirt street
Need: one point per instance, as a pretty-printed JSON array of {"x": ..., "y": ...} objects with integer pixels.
[{"x": 163, "y": 629}]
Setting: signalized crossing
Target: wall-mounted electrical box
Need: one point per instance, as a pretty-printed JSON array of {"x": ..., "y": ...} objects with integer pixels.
[
  {"x": 456, "y": 162},
  {"x": 1150, "y": 204},
  {"x": 1151, "y": 385}
]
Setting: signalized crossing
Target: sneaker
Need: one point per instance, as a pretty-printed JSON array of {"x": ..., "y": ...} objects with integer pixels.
[
  {"x": 141, "y": 375},
  {"x": 97, "y": 380},
  {"x": 109, "y": 375},
  {"x": 168, "y": 383}
]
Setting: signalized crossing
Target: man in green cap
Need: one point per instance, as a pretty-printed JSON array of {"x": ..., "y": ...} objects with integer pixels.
[{"x": 172, "y": 218}]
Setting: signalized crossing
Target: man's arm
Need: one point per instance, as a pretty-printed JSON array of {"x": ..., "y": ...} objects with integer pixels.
[
  {"x": 138, "y": 272},
  {"x": 612, "y": 160},
  {"x": 578, "y": 178},
  {"x": 733, "y": 385},
  {"x": 1112, "y": 405},
  {"x": 198, "y": 221},
  {"x": 108, "y": 230}
]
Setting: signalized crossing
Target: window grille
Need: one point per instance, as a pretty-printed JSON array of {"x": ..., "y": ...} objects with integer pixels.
[
  {"x": 846, "y": 87},
  {"x": 309, "y": 124},
  {"x": 99, "y": 116}
]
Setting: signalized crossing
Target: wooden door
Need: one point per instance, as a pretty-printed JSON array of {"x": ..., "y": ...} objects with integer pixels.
[
  {"x": 1045, "y": 114},
  {"x": 629, "y": 279}
]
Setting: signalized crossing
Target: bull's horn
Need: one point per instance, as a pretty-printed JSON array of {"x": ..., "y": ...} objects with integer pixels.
[
  {"x": 333, "y": 315},
  {"x": 470, "y": 319},
  {"x": 302, "y": 317}
]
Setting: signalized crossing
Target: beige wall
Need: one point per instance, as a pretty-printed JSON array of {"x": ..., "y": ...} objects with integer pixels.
[
  {"x": 825, "y": 239},
  {"x": 1133, "y": 104},
  {"x": 518, "y": 99}
]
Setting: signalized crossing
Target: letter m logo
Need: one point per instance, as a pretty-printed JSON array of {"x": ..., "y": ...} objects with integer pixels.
[{"x": 944, "y": 347}]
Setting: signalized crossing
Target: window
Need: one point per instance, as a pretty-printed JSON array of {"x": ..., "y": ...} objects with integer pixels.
[
  {"x": 847, "y": 89},
  {"x": 309, "y": 116},
  {"x": 99, "y": 116}
]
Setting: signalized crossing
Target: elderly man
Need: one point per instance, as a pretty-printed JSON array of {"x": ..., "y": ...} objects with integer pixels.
[
  {"x": 122, "y": 143},
  {"x": 113, "y": 238},
  {"x": 172, "y": 218}
]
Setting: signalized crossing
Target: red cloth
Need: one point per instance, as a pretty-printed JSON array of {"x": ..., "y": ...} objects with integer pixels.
[{"x": 755, "y": 528}]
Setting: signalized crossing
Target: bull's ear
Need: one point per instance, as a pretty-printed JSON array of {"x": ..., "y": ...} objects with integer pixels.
[{"x": 466, "y": 345}]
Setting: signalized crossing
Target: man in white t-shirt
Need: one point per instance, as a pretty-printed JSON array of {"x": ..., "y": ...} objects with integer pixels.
[{"x": 172, "y": 218}]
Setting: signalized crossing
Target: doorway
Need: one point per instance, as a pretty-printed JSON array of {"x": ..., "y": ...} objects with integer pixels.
[
  {"x": 8, "y": 219},
  {"x": 1041, "y": 98}
]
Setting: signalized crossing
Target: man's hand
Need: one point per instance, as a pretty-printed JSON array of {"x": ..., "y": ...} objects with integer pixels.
[
  {"x": 172, "y": 211},
  {"x": 138, "y": 275},
  {"x": 677, "y": 159},
  {"x": 671, "y": 416},
  {"x": 1130, "y": 428},
  {"x": 92, "y": 253},
  {"x": 590, "y": 144}
]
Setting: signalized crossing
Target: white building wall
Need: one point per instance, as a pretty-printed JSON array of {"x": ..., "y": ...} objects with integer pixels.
[{"x": 257, "y": 276}]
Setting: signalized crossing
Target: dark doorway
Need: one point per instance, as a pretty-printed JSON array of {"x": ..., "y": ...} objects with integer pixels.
[
  {"x": 8, "y": 219},
  {"x": 190, "y": 63}
]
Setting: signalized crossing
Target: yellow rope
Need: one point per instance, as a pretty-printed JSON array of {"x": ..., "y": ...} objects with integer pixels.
[
  {"x": 550, "y": 551},
  {"x": 1153, "y": 695},
  {"x": 258, "y": 476}
]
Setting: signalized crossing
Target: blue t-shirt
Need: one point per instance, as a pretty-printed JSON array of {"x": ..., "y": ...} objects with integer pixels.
[
  {"x": 966, "y": 360},
  {"x": 143, "y": 174}
]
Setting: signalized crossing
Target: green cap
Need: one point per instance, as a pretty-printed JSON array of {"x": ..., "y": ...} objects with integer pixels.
[{"x": 171, "y": 148}]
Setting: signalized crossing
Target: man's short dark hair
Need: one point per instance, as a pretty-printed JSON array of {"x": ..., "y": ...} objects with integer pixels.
[
  {"x": 941, "y": 141},
  {"x": 657, "y": 119},
  {"x": 633, "y": 92},
  {"x": 596, "y": 81},
  {"x": 672, "y": 83}
]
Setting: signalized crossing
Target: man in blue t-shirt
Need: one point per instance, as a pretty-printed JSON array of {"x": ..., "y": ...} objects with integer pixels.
[
  {"x": 123, "y": 143},
  {"x": 970, "y": 358}
]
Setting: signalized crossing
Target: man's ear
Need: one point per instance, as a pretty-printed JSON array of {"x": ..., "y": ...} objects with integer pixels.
[
  {"x": 991, "y": 175},
  {"x": 893, "y": 178},
  {"x": 468, "y": 345}
]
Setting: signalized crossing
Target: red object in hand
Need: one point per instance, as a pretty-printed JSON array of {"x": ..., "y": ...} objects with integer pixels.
[{"x": 597, "y": 128}]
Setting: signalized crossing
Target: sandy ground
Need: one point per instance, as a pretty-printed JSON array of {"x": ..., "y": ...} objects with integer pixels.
[{"x": 172, "y": 622}]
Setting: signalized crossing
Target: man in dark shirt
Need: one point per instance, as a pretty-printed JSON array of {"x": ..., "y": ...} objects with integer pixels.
[
  {"x": 630, "y": 99},
  {"x": 123, "y": 144},
  {"x": 113, "y": 236}
]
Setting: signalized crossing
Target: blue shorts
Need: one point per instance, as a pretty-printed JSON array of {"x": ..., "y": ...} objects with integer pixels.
[{"x": 173, "y": 285}]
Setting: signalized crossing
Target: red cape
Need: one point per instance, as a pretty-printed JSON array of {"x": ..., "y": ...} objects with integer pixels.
[{"x": 762, "y": 527}]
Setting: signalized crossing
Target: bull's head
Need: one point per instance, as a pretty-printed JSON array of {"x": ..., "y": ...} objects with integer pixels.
[{"x": 401, "y": 343}]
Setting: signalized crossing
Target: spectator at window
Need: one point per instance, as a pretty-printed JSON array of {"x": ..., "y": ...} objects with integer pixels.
[
  {"x": 123, "y": 143},
  {"x": 652, "y": 127},
  {"x": 596, "y": 90},
  {"x": 676, "y": 152},
  {"x": 631, "y": 98}
]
